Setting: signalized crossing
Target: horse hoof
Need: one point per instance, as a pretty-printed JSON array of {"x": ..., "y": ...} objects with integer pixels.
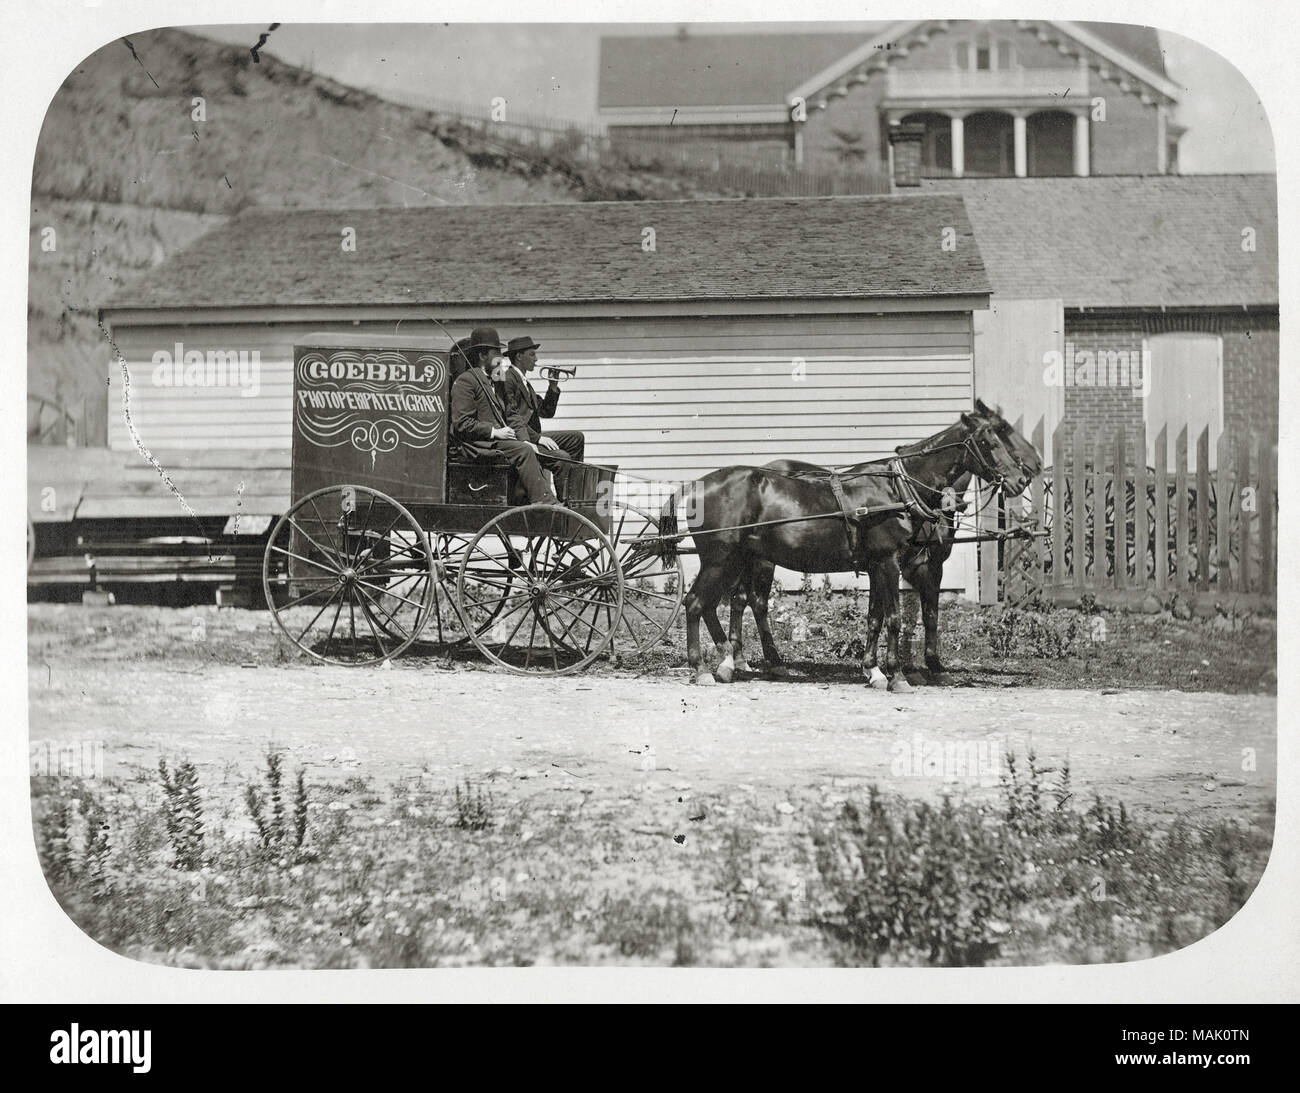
[
  {"x": 705, "y": 679},
  {"x": 934, "y": 666},
  {"x": 876, "y": 678},
  {"x": 724, "y": 675},
  {"x": 881, "y": 684},
  {"x": 742, "y": 665},
  {"x": 899, "y": 686}
]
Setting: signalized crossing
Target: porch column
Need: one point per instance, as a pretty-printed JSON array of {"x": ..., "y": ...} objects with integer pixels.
[
  {"x": 958, "y": 146},
  {"x": 1162, "y": 139},
  {"x": 1022, "y": 157},
  {"x": 1081, "y": 167}
]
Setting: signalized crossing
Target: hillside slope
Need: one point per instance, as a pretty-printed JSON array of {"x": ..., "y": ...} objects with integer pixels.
[{"x": 126, "y": 174}]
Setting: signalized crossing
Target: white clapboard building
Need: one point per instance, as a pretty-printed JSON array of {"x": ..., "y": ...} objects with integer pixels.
[{"x": 706, "y": 333}]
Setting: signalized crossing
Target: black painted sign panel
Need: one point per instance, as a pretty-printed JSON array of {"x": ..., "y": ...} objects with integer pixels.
[{"x": 370, "y": 415}]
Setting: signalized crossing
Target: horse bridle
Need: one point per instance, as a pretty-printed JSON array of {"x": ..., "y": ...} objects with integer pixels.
[{"x": 984, "y": 460}]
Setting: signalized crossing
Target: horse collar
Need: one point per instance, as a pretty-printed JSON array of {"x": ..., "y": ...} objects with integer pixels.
[{"x": 910, "y": 497}]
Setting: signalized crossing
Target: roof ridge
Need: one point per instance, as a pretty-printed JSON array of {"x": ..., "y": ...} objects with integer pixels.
[{"x": 768, "y": 199}]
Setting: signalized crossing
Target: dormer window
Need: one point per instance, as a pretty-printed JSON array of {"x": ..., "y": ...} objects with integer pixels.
[{"x": 984, "y": 53}]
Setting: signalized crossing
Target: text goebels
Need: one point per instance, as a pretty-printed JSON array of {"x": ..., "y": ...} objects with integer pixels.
[{"x": 373, "y": 371}]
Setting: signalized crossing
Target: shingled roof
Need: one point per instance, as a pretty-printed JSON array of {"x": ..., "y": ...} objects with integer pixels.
[
  {"x": 762, "y": 69},
  {"x": 770, "y": 248},
  {"x": 1164, "y": 240},
  {"x": 716, "y": 69}
]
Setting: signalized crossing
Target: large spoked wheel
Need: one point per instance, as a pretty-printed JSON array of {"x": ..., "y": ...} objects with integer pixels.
[
  {"x": 541, "y": 590},
  {"x": 653, "y": 589},
  {"x": 447, "y": 626},
  {"x": 349, "y": 576}
]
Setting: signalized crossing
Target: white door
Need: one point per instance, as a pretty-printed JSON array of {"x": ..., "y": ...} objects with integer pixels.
[
  {"x": 1186, "y": 389},
  {"x": 1013, "y": 343}
]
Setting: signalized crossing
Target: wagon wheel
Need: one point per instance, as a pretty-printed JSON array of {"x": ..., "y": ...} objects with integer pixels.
[
  {"x": 446, "y": 625},
  {"x": 554, "y": 586},
  {"x": 653, "y": 589},
  {"x": 348, "y": 576}
]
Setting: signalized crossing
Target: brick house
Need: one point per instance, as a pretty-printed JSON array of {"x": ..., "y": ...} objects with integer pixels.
[{"x": 1020, "y": 98}]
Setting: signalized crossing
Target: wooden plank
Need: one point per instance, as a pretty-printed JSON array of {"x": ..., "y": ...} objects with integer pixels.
[
  {"x": 1058, "y": 504},
  {"x": 139, "y": 340},
  {"x": 1203, "y": 510},
  {"x": 703, "y": 425},
  {"x": 1040, "y": 507},
  {"x": 1161, "y": 464},
  {"x": 1121, "y": 508},
  {"x": 103, "y": 508},
  {"x": 1141, "y": 529},
  {"x": 1078, "y": 506},
  {"x": 926, "y": 413},
  {"x": 1099, "y": 577},
  {"x": 1223, "y": 515},
  {"x": 1015, "y": 552},
  {"x": 1244, "y": 483},
  {"x": 1180, "y": 510},
  {"x": 987, "y": 520},
  {"x": 1265, "y": 455}
]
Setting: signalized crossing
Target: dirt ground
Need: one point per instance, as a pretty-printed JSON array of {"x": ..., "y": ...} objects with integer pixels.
[
  {"x": 1167, "y": 750},
  {"x": 621, "y": 814}
]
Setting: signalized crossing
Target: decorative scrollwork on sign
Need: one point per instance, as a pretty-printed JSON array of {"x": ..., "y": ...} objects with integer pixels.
[{"x": 374, "y": 437}]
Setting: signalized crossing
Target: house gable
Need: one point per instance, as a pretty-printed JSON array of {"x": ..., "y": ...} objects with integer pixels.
[{"x": 1055, "y": 44}]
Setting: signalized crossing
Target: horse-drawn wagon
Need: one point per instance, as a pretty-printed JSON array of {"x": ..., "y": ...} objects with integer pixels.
[{"x": 388, "y": 541}]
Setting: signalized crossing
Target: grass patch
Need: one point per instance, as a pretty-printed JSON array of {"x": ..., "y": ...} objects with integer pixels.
[
  {"x": 414, "y": 874},
  {"x": 1030, "y": 879}
]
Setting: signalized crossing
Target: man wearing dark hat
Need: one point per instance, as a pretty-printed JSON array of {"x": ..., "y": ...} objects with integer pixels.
[
  {"x": 479, "y": 429},
  {"x": 557, "y": 451}
]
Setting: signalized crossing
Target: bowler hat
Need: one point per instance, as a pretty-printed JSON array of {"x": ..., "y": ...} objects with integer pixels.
[
  {"x": 520, "y": 345},
  {"x": 484, "y": 337}
]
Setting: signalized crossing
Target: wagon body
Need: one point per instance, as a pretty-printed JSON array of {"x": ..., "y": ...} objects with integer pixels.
[{"x": 387, "y": 535}]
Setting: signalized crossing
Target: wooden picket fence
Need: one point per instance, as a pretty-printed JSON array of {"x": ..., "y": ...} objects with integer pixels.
[{"x": 1213, "y": 539}]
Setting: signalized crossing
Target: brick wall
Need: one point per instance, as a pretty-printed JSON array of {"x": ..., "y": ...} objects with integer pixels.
[
  {"x": 1250, "y": 376},
  {"x": 1250, "y": 367}
]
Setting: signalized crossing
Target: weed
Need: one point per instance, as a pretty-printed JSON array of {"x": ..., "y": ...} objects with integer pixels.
[
  {"x": 473, "y": 810},
  {"x": 649, "y": 928},
  {"x": 1011, "y": 631},
  {"x": 905, "y": 878},
  {"x": 277, "y": 834},
  {"x": 183, "y": 813},
  {"x": 54, "y": 829}
]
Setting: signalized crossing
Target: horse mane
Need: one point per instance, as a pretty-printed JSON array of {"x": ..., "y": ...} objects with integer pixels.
[{"x": 919, "y": 445}]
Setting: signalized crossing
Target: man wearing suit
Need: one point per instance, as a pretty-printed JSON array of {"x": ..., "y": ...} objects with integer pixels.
[
  {"x": 557, "y": 451},
  {"x": 479, "y": 429}
]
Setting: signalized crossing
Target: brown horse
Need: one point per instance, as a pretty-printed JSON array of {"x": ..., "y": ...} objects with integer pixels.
[
  {"x": 920, "y": 563},
  {"x": 743, "y": 516}
]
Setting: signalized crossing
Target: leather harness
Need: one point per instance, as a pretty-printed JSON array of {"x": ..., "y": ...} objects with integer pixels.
[
  {"x": 850, "y": 526},
  {"x": 851, "y": 516}
]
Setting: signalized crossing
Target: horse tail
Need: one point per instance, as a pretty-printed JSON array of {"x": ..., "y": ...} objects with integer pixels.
[{"x": 668, "y": 529}]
